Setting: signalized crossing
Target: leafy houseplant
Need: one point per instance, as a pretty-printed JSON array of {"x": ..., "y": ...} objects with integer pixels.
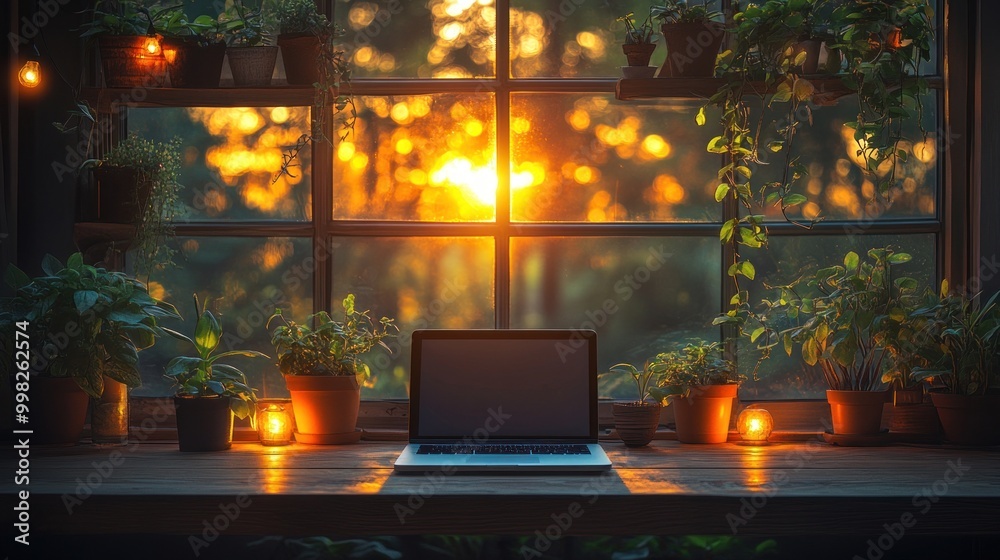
[
  {"x": 883, "y": 44},
  {"x": 849, "y": 322},
  {"x": 693, "y": 37},
  {"x": 209, "y": 393},
  {"x": 136, "y": 183},
  {"x": 636, "y": 421},
  {"x": 701, "y": 385},
  {"x": 130, "y": 51},
  {"x": 640, "y": 42},
  {"x": 85, "y": 325},
  {"x": 324, "y": 367},
  {"x": 964, "y": 339},
  {"x": 312, "y": 55},
  {"x": 251, "y": 56}
]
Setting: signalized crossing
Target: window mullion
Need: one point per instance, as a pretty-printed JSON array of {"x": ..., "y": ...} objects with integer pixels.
[{"x": 501, "y": 291}]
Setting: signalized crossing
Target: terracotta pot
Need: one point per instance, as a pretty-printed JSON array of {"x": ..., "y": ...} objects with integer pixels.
[
  {"x": 300, "y": 55},
  {"x": 703, "y": 416},
  {"x": 193, "y": 65},
  {"x": 121, "y": 196},
  {"x": 58, "y": 410},
  {"x": 691, "y": 49},
  {"x": 969, "y": 419},
  {"x": 324, "y": 404},
  {"x": 204, "y": 423},
  {"x": 252, "y": 66},
  {"x": 109, "y": 421},
  {"x": 811, "y": 47},
  {"x": 126, "y": 63},
  {"x": 636, "y": 423},
  {"x": 857, "y": 412},
  {"x": 639, "y": 54}
]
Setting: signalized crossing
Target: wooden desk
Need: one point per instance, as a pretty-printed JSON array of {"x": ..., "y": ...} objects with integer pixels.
[{"x": 667, "y": 488}]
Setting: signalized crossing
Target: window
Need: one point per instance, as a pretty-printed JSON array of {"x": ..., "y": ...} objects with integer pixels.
[{"x": 469, "y": 196}]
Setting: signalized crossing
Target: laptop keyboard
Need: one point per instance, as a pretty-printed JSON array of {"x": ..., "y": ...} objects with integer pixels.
[{"x": 503, "y": 449}]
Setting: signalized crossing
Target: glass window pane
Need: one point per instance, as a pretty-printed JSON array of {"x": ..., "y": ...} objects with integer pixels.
[
  {"x": 573, "y": 38},
  {"x": 641, "y": 295},
  {"x": 784, "y": 377},
  {"x": 244, "y": 280},
  {"x": 423, "y": 282},
  {"x": 590, "y": 158},
  {"x": 836, "y": 188},
  {"x": 418, "y": 157},
  {"x": 231, "y": 157},
  {"x": 433, "y": 39}
]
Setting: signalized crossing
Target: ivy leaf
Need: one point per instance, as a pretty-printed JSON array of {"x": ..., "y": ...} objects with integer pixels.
[
  {"x": 851, "y": 260},
  {"x": 726, "y": 232},
  {"x": 794, "y": 199},
  {"x": 721, "y": 192},
  {"x": 900, "y": 258}
]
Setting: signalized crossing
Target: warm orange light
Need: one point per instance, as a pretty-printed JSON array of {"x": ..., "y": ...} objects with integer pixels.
[
  {"x": 30, "y": 75},
  {"x": 152, "y": 46},
  {"x": 274, "y": 427},
  {"x": 755, "y": 425}
]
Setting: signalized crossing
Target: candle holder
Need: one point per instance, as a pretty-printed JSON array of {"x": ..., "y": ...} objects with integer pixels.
[
  {"x": 755, "y": 426},
  {"x": 274, "y": 427}
]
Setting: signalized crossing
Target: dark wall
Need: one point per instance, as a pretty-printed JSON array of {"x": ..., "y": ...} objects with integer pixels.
[{"x": 989, "y": 210}]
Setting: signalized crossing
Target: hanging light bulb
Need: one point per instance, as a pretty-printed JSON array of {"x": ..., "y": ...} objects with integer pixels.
[
  {"x": 30, "y": 75},
  {"x": 151, "y": 47}
]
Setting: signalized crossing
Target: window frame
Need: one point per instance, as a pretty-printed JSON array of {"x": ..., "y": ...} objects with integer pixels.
[{"x": 953, "y": 223}]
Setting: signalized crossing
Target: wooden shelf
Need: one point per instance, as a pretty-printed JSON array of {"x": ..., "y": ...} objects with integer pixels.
[
  {"x": 278, "y": 95},
  {"x": 828, "y": 88}
]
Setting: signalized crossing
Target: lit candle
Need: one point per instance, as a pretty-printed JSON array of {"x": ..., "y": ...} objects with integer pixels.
[
  {"x": 755, "y": 425},
  {"x": 274, "y": 427},
  {"x": 30, "y": 74},
  {"x": 152, "y": 46}
]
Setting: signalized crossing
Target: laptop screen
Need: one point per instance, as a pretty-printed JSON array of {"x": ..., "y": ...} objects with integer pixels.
[{"x": 483, "y": 385}]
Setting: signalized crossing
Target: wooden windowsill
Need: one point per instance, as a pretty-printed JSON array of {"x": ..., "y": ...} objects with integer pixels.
[{"x": 665, "y": 488}]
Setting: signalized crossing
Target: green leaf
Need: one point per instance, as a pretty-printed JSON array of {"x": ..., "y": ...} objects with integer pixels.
[
  {"x": 787, "y": 341},
  {"x": 851, "y": 260},
  {"x": 15, "y": 277},
  {"x": 748, "y": 270},
  {"x": 700, "y": 117},
  {"x": 216, "y": 387},
  {"x": 75, "y": 261},
  {"x": 717, "y": 145},
  {"x": 51, "y": 265},
  {"x": 207, "y": 334},
  {"x": 775, "y": 146},
  {"x": 744, "y": 170},
  {"x": 84, "y": 300},
  {"x": 726, "y": 232},
  {"x": 349, "y": 304},
  {"x": 756, "y": 333},
  {"x": 721, "y": 191},
  {"x": 810, "y": 351},
  {"x": 794, "y": 199},
  {"x": 846, "y": 350},
  {"x": 899, "y": 258}
]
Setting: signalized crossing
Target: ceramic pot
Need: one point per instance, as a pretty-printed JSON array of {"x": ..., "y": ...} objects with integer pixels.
[
  {"x": 691, "y": 49},
  {"x": 204, "y": 423},
  {"x": 252, "y": 66},
  {"x": 969, "y": 419},
  {"x": 193, "y": 65},
  {"x": 639, "y": 54},
  {"x": 636, "y": 423},
  {"x": 127, "y": 64},
  {"x": 300, "y": 55},
  {"x": 325, "y": 404},
  {"x": 58, "y": 410},
  {"x": 857, "y": 412},
  {"x": 703, "y": 416}
]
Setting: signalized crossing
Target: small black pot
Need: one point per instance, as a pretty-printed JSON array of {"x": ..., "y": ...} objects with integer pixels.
[
  {"x": 120, "y": 196},
  {"x": 204, "y": 423},
  {"x": 193, "y": 65}
]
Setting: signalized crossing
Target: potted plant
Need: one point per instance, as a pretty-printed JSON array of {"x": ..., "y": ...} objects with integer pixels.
[
  {"x": 965, "y": 332},
  {"x": 303, "y": 33},
  {"x": 883, "y": 44},
  {"x": 848, "y": 322},
  {"x": 131, "y": 55},
  {"x": 194, "y": 49},
  {"x": 136, "y": 183},
  {"x": 251, "y": 56},
  {"x": 322, "y": 361},
  {"x": 693, "y": 37},
  {"x": 85, "y": 325},
  {"x": 640, "y": 42},
  {"x": 700, "y": 384},
  {"x": 209, "y": 393},
  {"x": 636, "y": 421}
]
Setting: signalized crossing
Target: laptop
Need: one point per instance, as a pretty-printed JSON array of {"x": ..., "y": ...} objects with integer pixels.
[{"x": 503, "y": 400}]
